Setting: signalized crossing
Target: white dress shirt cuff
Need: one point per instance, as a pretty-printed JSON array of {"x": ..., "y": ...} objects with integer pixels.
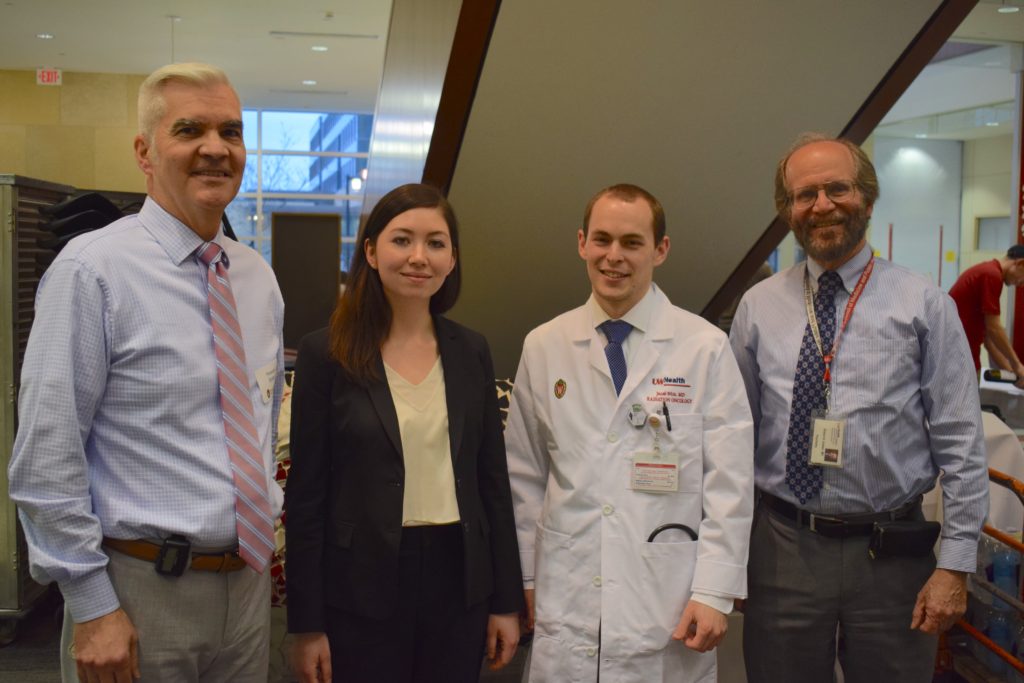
[
  {"x": 958, "y": 555},
  {"x": 723, "y": 605}
]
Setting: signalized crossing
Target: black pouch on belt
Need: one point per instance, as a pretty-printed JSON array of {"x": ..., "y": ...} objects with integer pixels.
[{"x": 903, "y": 538}]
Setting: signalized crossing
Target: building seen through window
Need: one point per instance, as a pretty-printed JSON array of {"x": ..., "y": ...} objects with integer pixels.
[{"x": 301, "y": 162}]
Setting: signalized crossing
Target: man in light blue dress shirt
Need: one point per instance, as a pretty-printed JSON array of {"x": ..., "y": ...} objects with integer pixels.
[
  {"x": 901, "y": 409},
  {"x": 120, "y": 466}
]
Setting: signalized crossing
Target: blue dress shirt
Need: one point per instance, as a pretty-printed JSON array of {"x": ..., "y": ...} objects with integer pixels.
[
  {"x": 904, "y": 380},
  {"x": 120, "y": 428}
]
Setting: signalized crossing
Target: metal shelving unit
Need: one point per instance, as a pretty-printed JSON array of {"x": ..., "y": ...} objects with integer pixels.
[{"x": 22, "y": 262}]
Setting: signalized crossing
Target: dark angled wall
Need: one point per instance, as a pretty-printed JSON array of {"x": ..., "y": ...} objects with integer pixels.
[{"x": 695, "y": 101}]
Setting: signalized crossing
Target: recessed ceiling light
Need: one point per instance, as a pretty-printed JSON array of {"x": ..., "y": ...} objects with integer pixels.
[
  {"x": 308, "y": 82},
  {"x": 44, "y": 36},
  {"x": 992, "y": 124},
  {"x": 319, "y": 48},
  {"x": 1008, "y": 9},
  {"x": 921, "y": 135}
]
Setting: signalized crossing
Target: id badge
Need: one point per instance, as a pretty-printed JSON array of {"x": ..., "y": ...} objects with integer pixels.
[
  {"x": 827, "y": 440},
  {"x": 656, "y": 472},
  {"x": 265, "y": 378}
]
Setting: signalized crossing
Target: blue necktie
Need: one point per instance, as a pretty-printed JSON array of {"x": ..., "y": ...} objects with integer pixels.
[
  {"x": 616, "y": 331},
  {"x": 803, "y": 479}
]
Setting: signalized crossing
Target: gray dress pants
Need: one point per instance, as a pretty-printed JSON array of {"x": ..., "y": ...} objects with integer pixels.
[
  {"x": 197, "y": 628},
  {"x": 805, "y": 590}
]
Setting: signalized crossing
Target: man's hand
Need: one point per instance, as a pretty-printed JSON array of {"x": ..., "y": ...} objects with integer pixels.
[
  {"x": 310, "y": 657},
  {"x": 106, "y": 649},
  {"x": 701, "y": 628},
  {"x": 526, "y": 620},
  {"x": 502, "y": 639},
  {"x": 1019, "y": 371},
  {"x": 941, "y": 602}
]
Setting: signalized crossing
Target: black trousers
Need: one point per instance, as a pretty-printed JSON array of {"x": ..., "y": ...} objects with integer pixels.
[{"x": 431, "y": 637}]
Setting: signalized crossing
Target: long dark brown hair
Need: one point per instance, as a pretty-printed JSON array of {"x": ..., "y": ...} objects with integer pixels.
[{"x": 362, "y": 316}]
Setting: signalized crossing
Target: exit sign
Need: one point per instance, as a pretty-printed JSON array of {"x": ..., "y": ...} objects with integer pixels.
[{"x": 48, "y": 77}]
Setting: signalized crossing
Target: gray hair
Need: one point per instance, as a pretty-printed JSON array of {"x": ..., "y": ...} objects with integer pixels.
[{"x": 151, "y": 100}]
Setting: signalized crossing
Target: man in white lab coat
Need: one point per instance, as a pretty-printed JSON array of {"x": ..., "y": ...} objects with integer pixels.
[{"x": 627, "y": 415}]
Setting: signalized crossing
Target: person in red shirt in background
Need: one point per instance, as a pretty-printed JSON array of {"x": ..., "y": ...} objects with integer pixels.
[{"x": 976, "y": 293}]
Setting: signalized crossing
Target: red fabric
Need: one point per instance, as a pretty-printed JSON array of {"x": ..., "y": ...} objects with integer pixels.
[{"x": 976, "y": 293}]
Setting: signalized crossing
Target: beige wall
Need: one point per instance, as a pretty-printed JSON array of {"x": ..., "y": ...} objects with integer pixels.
[
  {"x": 986, "y": 192},
  {"x": 79, "y": 133}
]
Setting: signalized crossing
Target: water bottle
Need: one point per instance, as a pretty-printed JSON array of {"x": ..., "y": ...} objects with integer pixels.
[
  {"x": 999, "y": 632},
  {"x": 981, "y": 621},
  {"x": 1019, "y": 649},
  {"x": 1005, "y": 568},
  {"x": 985, "y": 548}
]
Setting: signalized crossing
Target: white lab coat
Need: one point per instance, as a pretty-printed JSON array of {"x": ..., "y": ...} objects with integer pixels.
[{"x": 601, "y": 587}]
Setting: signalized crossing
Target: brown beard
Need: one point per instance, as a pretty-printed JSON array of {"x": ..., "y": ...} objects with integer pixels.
[{"x": 854, "y": 223}]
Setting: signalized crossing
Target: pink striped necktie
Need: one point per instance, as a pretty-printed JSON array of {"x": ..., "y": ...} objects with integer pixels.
[{"x": 253, "y": 518}]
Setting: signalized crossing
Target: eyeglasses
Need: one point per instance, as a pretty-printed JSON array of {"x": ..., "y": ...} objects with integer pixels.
[{"x": 837, "y": 191}]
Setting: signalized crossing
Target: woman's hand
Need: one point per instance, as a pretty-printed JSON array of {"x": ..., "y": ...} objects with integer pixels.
[
  {"x": 502, "y": 639},
  {"x": 310, "y": 657}
]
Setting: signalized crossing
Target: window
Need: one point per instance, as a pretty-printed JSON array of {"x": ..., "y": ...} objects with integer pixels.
[
  {"x": 995, "y": 233},
  {"x": 301, "y": 162}
]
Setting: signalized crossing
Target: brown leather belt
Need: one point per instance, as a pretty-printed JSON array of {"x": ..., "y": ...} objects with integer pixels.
[{"x": 203, "y": 562}]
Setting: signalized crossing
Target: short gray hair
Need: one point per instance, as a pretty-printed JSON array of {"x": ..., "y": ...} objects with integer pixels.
[{"x": 151, "y": 100}]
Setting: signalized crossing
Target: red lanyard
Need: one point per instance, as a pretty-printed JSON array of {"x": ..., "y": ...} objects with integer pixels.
[{"x": 812, "y": 318}]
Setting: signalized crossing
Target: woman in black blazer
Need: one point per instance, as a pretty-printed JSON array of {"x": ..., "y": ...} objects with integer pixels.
[{"x": 372, "y": 594}]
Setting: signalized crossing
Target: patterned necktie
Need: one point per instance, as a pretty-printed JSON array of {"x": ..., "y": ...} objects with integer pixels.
[
  {"x": 803, "y": 479},
  {"x": 616, "y": 331},
  {"x": 253, "y": 519}
]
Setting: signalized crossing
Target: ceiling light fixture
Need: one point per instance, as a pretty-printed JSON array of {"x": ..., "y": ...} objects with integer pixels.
[
  {"x": 308, "y": 82},
  {"x": 319, "y": 48},
  {"x": 921, "y": 135},
  {"x": 172, "y": 19},
  {"x": 319, "y": 34},
  {"x": 44, "y": 36},
  {"x": 1007, "y": 9},
  {"x": 992, "y": 124}
]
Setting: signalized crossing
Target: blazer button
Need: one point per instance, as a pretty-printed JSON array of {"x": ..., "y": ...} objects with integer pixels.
[
  {"x": 465, "y": 525},
  {"x": 396, "y": 483},
  {"x": 458, "y": 483}
]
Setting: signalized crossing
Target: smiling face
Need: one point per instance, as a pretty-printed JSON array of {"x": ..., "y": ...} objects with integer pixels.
[
  {"x": 621, "y": 252},
  {"x": 831, "y": 232},
  {"x": 413, "y": 255},
  {"x": 195, "y": 158}
]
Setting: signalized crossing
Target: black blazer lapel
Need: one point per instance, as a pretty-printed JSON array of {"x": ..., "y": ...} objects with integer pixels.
[
  {"x": 454, "y": 357},
  {"x": 380, "y": 395}
]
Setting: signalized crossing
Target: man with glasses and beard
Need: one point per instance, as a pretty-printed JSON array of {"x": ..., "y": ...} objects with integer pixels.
[{"x": 859, "y": 379}]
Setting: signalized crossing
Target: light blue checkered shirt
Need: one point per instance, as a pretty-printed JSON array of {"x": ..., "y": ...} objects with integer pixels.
[
  {"x": 120, "y": 431},
  {"x": 903, "y": 378}
]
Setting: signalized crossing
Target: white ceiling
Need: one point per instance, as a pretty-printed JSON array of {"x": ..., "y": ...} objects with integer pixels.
[
  {"x": 970, "y": 96},
  {"x": 135, "y": 37},
  {"x": 268, "y": 69},
  {"x": 986, "y": 23}
]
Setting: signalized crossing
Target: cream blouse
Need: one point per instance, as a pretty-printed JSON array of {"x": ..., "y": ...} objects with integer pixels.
[{"x": 429, "y": 496}]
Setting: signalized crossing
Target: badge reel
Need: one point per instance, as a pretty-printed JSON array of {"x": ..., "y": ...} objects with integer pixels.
[
  {"x": 827, "y": 431},
  {"x": 656, "y": 471}
]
